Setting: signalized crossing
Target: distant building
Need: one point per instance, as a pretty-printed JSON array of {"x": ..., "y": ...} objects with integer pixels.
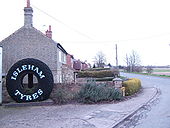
[
  {"x": 79, "y": 65},
  {"x": 69, "y": 60}
]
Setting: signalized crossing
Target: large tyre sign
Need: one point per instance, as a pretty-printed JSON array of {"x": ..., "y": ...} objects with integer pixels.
[{"x": 29, "y": 80}]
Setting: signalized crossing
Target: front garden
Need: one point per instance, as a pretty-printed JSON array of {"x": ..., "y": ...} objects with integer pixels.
[{"x": 97, "y": 87}]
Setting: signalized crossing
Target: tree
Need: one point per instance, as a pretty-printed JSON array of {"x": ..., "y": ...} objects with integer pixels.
[
  {"x": 109, "y": 65},
  {"x": 149, "y": 69},
  {"x": 133, "y": 62},
  {"x": 94, "y": 66},
  {"x": 100, "y": 59}
]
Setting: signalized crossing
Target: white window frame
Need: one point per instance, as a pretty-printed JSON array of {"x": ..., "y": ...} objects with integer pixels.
[{"x": 60, "y": 56}]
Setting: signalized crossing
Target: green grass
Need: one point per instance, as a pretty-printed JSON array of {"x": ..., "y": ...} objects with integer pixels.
[
  {"x": 150, "y": 74},
  {"x": 161, "y": 70}
]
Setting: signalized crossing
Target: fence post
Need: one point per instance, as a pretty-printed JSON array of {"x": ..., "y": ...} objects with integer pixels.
[{"x": 0, "y": 75}]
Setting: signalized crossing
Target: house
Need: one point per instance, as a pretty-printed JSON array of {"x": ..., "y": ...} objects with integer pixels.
[
  {"x": 28, "y": 42},
  {"x": 84, "y": 66},
  {"x": 61, "y": 55},
  {"x": 70, "y": 60},
  {"x": 79, "y": 65}
]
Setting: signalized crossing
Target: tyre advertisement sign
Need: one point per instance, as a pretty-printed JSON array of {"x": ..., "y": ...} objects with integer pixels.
[{"x": 29, "y": 80}]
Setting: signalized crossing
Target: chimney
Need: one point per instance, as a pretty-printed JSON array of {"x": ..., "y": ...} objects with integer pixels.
[
  {"x": 49, "y": 32},
  {"x": 28, "y": 11}
]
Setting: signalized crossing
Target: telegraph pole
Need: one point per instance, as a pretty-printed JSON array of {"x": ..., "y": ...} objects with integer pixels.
[{"x": 116, "y": 58}]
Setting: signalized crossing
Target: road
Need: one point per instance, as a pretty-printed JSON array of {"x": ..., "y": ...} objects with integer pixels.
[{"x": 155, "y": 114}]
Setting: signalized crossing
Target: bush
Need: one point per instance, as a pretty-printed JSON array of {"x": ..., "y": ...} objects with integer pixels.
[
  {"x": 134, "y": 69},
  {"x": 149, "y": 69},
  {"x": 93, "y": 93},
  {"x": 132, "y": 86},
  {"x": 98, "y": 74},
  {"x": 61, "y": 96},
  {"x": 98, "y": 69},
  {"x": 105, "y": 79},
  {"x": 64, "y": 93},
  {"x": 138, "y": 69}
]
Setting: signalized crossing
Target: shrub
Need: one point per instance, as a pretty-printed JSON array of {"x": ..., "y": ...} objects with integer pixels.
[
  {"x": 133, "y": 68},
  {"x": 149, "y": 69},
  {"x": 64, "y": 93},
  {"x": 60, "y": 96},
  {"x": 105, "y": 79},
  {"x": 98, "y": 74},
  {"x": 93, "y": 93},
  {"x": 138, "y": 69},
  {"x": 132, "y": 86},
  {"x": 98, "y": 69}
]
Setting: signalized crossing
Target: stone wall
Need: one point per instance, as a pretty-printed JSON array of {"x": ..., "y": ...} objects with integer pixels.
[
  {"x": 67, "y": 74},
  {"x": 5, "y": 96},
  {"x": 29, "y": 43}
]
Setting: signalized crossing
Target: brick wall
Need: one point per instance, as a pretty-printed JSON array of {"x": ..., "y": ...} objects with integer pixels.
[{"x": 70, "y": 60}]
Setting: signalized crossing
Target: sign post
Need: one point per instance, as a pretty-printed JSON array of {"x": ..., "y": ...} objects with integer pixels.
[{"x": 0, "y": 75}]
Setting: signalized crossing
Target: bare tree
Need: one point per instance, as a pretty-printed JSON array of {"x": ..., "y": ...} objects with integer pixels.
[
  {"x": 100, "y": 59},
  {"x": 149, "y": 69},
  {"x": 133, "y": 62},
  {"x": 127, "y": 62}
]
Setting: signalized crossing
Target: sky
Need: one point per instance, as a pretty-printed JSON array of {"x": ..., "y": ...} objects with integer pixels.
[{"x": 86, "y": 27}]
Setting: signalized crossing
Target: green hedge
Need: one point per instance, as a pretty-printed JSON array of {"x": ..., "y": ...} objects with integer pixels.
[
  {"x": 93, "y": 93},
  {"x": 105, "y": 79},
  {"x": 98, "y": 74},
  {"x": 132, "y": 86},
  {"x": 98, "y": 69}
]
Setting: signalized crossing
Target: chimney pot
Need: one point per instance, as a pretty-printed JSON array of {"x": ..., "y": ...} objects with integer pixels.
[
  {"x": 28, "y": 3},
  {"x": 49, "y": 27},
  {"x": 49, "y": 32}
]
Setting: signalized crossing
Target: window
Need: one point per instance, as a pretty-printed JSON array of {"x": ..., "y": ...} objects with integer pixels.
[
  {"x": 60, "y": 56},
  {"x": 64, "y": 58}
]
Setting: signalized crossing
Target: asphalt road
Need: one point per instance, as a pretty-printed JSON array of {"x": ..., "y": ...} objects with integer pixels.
[{"x": 155, "y": 114}]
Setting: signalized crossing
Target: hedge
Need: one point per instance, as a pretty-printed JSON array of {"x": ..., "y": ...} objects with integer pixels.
[
  {"x": 98, "y": 69},
  {"x": 132, "y": 86},
  {"x": 105, "y": 79},
  {"x": 98, "y": 74}
]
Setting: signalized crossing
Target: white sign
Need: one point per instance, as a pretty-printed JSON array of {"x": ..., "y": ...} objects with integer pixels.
[
  {"x": 29, "y": 97},
  {"x": 27, "y": 67}
]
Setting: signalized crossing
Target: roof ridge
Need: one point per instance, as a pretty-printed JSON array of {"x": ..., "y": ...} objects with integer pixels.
[{"x": 12, "y": 34}]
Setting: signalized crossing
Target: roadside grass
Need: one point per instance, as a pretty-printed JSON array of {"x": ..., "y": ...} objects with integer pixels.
[
  {"x": 158, "y": 75},
  {"x": 159, "y": 70}
]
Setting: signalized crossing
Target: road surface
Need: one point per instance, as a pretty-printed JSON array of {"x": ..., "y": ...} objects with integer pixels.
[{"x": 155, "y": 114}]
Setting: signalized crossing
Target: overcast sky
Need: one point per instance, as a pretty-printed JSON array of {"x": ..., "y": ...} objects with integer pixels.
[{"x": 85, "y": 27}]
